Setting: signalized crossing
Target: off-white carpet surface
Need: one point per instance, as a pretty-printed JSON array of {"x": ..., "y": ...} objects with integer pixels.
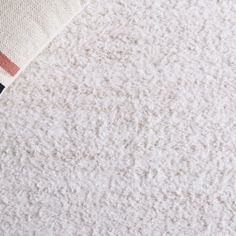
[{"x": 125, "y": 125}]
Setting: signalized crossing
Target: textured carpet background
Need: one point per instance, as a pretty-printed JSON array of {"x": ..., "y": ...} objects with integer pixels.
[{"x": 125, "y": 125}]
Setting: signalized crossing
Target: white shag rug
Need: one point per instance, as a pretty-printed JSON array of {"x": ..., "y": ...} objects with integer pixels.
[{"x": 125, "y": 125}]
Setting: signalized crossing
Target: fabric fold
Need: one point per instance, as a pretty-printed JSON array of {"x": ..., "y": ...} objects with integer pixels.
[{"x": 26, "y": 27}]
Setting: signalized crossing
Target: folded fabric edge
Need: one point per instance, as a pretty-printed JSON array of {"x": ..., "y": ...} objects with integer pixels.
[{"x": 13, "y": 70}]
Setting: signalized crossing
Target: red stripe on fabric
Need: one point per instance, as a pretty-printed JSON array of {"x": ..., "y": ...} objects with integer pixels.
[{"x": 8, "y": 65}]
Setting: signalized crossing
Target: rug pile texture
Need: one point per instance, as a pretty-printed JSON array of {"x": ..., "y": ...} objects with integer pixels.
[{"x": 125, "y": 125}]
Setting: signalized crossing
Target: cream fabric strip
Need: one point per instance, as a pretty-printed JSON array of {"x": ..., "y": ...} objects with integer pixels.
[{"x": 27, "y": 26}]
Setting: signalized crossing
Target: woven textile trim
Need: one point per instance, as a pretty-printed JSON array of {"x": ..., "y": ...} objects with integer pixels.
[{"x": 26, "y": 27}]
